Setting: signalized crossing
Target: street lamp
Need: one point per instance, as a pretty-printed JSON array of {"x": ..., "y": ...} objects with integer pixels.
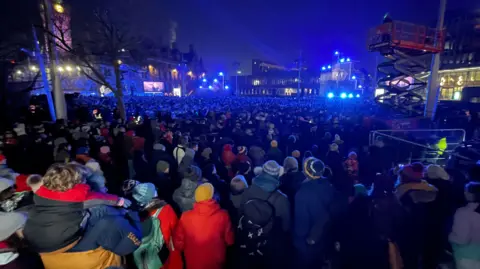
[
  {"x": 342, "y": 60},
  {"x": 204, "y": 80},
  {"x": 215, "y": 80},
  {"x": 324, "y": 68},
  {"x": 329, "y": 67},
  {"x": 223, "y": 78},
  {"x": 337, "y": 52},
  {"x": 348, "y": 59},
  {"x": 226, "y": 87},
  {"x": 239, "y": 72},
  {"x": 58, "y": 8}
]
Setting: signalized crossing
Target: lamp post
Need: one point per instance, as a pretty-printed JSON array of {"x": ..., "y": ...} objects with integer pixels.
[
  {"x": 239, "y": 72},
  {"x": 223, "y": 79}
]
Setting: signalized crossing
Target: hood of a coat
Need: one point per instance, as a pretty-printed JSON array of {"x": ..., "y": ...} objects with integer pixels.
[
  {"x": 266, "y": 182},
  {"x": 206, "y": 208},
  {"x": 187, "y": 189}
]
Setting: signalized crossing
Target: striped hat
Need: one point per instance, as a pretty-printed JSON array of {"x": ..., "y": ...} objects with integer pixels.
[
  {"x": 272, "y": 168},
  {"x": 313, "y": 168},
  {"x": 242, "y": 150}
]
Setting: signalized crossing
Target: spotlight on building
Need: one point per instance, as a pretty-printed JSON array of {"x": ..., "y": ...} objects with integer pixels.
[
  {"x": 350, "y": 95},
  {"x": 330, "y": 95},
  {"x": 343, "y": 95}
]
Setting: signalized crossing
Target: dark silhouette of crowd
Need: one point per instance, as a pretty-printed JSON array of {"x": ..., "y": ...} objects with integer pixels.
[{"x": 227, "y": 183}]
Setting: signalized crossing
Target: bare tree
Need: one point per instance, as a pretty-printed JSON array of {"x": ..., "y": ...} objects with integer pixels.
[{"x": 105, "y": 42}]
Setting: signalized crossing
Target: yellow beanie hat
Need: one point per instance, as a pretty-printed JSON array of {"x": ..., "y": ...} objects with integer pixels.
[{"x": 204, "y": 192}]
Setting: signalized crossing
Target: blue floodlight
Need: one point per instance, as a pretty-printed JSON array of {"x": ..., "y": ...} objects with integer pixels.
[
  {"x": 226, "y": 87},
  {"x": 342, "y": 60},
  {"x": 324, "y": 68},
  {"x": 210, "y": 87},
  {"x": 343, "y": 95},
  {"x": 215, "y": 80},
  {"x": 360, "y": 86},
  {"x": 350, "y": 95},
  {"x": 329, "y": 67},
  {"x": 220, "y": 74},
  {"x": 201, "y": 87},
  {"x": 336, "y": 52},
  {"x": 330, "y": 95},
  {"x": 348, "y": 59},
  {"x": 358, "y": 95},
  {"x": 204, "y": 80},
  {"x": 354, "y": 77}
]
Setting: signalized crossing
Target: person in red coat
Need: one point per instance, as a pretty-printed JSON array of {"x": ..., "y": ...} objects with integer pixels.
[{"x": 205, "y": 232}]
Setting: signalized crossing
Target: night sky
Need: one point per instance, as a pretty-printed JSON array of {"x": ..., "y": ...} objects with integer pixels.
[{"x": 225, "y": 31}]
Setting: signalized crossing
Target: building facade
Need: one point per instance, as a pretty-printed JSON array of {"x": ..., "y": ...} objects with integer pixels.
[{"x": 272, "y": 79}]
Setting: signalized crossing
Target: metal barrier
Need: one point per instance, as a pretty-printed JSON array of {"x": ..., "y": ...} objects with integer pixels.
[{"x": 419, "y": 145}]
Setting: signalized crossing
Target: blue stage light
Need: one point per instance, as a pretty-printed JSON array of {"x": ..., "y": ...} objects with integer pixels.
[
  {"x": 350, "y": 95},
  {"x": 342, "y": 60},
  {"x": 220, "y": 74},
  {"x": 204, "y": 80},
  {"x": 330, "y": 95},
  {"x": 201, "y": 87},
  {"x": 226, "y": 87},
  {"x": 337, "y": 53},
  {"x": 215, "y": 80},
  {"x": 210, "y": 87},
  {"x": 343, "y": 95},
  {"x": 324, "y": 68},
  {"x": 329, "y": 67},
  {"x": 354, "y": 77},
  {"x": 348, "y": 59},
  {"x": 358, "y": 95}
]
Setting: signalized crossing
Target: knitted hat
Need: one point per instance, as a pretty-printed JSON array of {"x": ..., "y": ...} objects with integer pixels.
[
  {"x": 105, "y": 150},
  {"x": 296, "y": 154},
  {"x": 158, "y": 146},
  {"x": 411, "y": 173},
  {"x": 206, "y": 153},
  {"x": 193, "y": 173},
  {"x": 204, "y": 192},
  {"x": 274, "y": 144},
  {"x": 313, "y": 168},
  {"x": 238, "y": 183},
  {"x": 5, "y": 184},
  {"x": 143, "y": 193},
  {"x": 437, "y": 172},
  {"x": 334, "y": 147},
  {"x": 272, "y": 168},
  {"x": 11, "y": 222},
  {"x": 162, "y": 166},
  {"x": 82, "y": 151},
  {"x": 242, "y": 150},
  {"x": 360, "y": 190},
  {"x": 290, "y": 164}
]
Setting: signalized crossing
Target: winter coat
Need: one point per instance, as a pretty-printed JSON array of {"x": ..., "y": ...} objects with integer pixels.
[
  {"x": 465, "y": 235},
  {"x": 184, "y": 196},
  {"x": 204, "y": 234},
  {"x": 257, "y": 154},
  {"x": 275, "y": 154},
  {"x": 168, "y": 223},
  {"x": 19, "y": 260},
  {"x": 265, "y": 186},
  {"x": 54, "y": 222},
  {"x": 314, "y": 209},
  {"x": 110, "y": 234},
  {"x": 290, "y": 183}
]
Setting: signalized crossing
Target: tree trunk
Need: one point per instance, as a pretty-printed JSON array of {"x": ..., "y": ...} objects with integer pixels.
[{"x": 119, "y": 91}]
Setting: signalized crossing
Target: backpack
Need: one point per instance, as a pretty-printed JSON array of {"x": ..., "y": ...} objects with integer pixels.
[
  {"x": 254, "y": 230},
  {"x": 147, "y": 255}
]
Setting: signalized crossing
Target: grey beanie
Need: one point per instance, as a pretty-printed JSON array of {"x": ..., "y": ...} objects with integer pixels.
[
  {"x": 272, "y": 168},
  {"x": 290, "y": 164}
]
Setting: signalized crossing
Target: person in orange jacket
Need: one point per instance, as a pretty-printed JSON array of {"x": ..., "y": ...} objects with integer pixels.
[
  {"x": 204, "y": 233},
  {"x": 145, "y": 197}
]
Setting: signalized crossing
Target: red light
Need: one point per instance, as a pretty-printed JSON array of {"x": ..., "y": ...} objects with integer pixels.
[{"x": 12, "y": 61}]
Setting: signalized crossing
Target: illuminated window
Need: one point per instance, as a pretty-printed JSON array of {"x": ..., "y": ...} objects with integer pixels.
[
  {"x": 457, "y": 95},
  {"x": 256, "y": 82}
]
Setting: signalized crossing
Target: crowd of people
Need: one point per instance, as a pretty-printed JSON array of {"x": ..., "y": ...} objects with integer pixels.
[{"x": 226, "y": 183}]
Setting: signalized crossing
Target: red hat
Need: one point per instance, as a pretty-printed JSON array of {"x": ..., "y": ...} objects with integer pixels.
[
  {"x": 2, "y": 158},
  {"x": 412, "y": 172}
]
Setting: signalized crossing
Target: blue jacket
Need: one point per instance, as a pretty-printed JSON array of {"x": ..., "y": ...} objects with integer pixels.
[
  {"x": 313, "y": 211},
  {"x": 113, "y": 229}
]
